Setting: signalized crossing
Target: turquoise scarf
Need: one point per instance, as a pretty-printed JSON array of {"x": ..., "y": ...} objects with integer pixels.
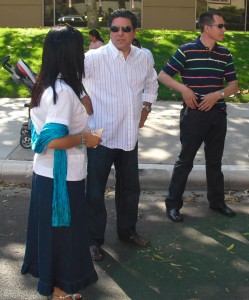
[{"x": 61, "y": 215}]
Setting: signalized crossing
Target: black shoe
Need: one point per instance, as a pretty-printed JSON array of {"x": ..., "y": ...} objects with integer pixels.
[
  {"x": 174, "y": 215},
  {"x": 96, "y": 253},
  {"x": 137, "y": 240},
  {"x": 224, "y": 210}
]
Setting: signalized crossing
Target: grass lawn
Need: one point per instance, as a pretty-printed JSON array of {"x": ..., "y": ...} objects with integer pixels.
[{"x": 27, "y": 43}]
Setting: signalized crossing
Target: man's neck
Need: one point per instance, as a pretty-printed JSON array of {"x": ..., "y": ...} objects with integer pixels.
[{"x": 209, "y": 43}]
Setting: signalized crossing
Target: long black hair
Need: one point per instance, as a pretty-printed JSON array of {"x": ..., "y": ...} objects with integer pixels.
[
  {"x": 63, "y": 56},
  {"x": 95, "y": 33}
]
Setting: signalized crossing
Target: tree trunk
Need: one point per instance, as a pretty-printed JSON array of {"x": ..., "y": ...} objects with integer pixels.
[{"x": 92, "y": 14}]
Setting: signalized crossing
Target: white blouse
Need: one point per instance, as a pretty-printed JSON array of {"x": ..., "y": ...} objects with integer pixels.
[{"x": 69, "y": 111}]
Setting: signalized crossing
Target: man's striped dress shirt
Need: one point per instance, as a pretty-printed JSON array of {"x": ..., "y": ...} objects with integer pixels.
[{"x": 118, "y": 88}]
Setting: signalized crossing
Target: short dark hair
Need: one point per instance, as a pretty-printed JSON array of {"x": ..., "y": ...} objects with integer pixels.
[
  {"x": 123, "y": 13},
  {"x": 207, "y": 18},
  {"x": 63, "y": 54}
]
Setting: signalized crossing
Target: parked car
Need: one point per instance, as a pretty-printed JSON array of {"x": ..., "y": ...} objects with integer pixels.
[{"x": 74, "y": 20}]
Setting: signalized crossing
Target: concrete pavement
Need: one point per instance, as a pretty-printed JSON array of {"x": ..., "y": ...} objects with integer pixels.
[{"x": 158, "y": 146}]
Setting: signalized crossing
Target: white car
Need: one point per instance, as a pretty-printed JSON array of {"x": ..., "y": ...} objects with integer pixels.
[{"x": 73, "y": 20}]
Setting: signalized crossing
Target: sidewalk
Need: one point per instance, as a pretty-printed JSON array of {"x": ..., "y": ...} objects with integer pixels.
[{"x": 158, "y": 146}]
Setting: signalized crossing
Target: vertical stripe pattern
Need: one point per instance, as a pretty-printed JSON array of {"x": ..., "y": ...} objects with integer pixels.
[{"x": 118, "y": 88}]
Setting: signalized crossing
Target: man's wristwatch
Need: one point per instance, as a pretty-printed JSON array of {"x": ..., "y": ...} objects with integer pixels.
[
  {"x": 222, "y": 94},
  {"x": 148, "y": 108}
]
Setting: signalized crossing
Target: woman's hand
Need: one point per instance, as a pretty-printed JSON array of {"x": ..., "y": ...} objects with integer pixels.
[{"x": 92, "y": 140}]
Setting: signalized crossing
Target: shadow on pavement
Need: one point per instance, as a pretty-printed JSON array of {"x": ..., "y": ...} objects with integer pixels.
[{"x": 206, "y": 257}]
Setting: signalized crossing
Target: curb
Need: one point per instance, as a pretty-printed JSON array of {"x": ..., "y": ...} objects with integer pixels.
[
  {"x": 152, "y": 176},
  {"x": 158, "y": 176},
  {"x": 16, "y": 171}
]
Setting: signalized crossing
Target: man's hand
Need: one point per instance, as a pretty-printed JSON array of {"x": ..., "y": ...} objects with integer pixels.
[
  {"x": 144, "y": 115},
  {"x": 190, "y": 98},
  {"x": 188, "y": 95},
  {"x": 208, "y": 101}
]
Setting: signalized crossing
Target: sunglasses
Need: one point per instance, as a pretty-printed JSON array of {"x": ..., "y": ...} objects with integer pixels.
[
  {"x": 124, "y": 28},
  {"x": 218, "y": 25}
]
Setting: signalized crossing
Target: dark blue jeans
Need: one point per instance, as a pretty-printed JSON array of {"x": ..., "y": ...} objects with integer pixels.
[
  {"x": 197, "y": 127},
  {"x": 127, "y": 191}
]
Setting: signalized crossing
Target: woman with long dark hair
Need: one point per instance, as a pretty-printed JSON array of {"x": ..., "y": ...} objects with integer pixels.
[
  {"x": 57, "y": 247},
  {"x": 95, "y": 39}
]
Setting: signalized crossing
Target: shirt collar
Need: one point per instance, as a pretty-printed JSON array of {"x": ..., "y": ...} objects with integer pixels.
[
  {"x": 115, "y": 52},
  {"x": 199, "y": 43}
]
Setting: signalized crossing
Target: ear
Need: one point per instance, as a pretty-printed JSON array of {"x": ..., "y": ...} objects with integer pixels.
[{"x": 206, "y": 28}]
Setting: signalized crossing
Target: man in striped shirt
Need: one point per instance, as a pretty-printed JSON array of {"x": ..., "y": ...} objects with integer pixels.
[
  {"x": 122, "y": 84},
  {"x": 204, "y": 67}
]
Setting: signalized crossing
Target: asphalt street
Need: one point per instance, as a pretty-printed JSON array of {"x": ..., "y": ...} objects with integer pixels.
[{"x": 204, "y": 258}]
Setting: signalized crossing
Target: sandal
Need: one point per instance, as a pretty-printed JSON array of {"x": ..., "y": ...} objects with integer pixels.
[{"x": 72, "y": 296}]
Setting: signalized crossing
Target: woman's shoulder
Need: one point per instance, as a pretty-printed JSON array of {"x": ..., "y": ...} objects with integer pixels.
[
  {"x": 64, "y": 91},
  {"x": 61, "y": 85},
  {"x": 99, "y": 43},
  {"x": 96, "y": 45}
]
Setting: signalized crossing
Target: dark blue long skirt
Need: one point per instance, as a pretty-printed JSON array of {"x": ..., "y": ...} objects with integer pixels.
[{"x": 58, "y": 256}]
